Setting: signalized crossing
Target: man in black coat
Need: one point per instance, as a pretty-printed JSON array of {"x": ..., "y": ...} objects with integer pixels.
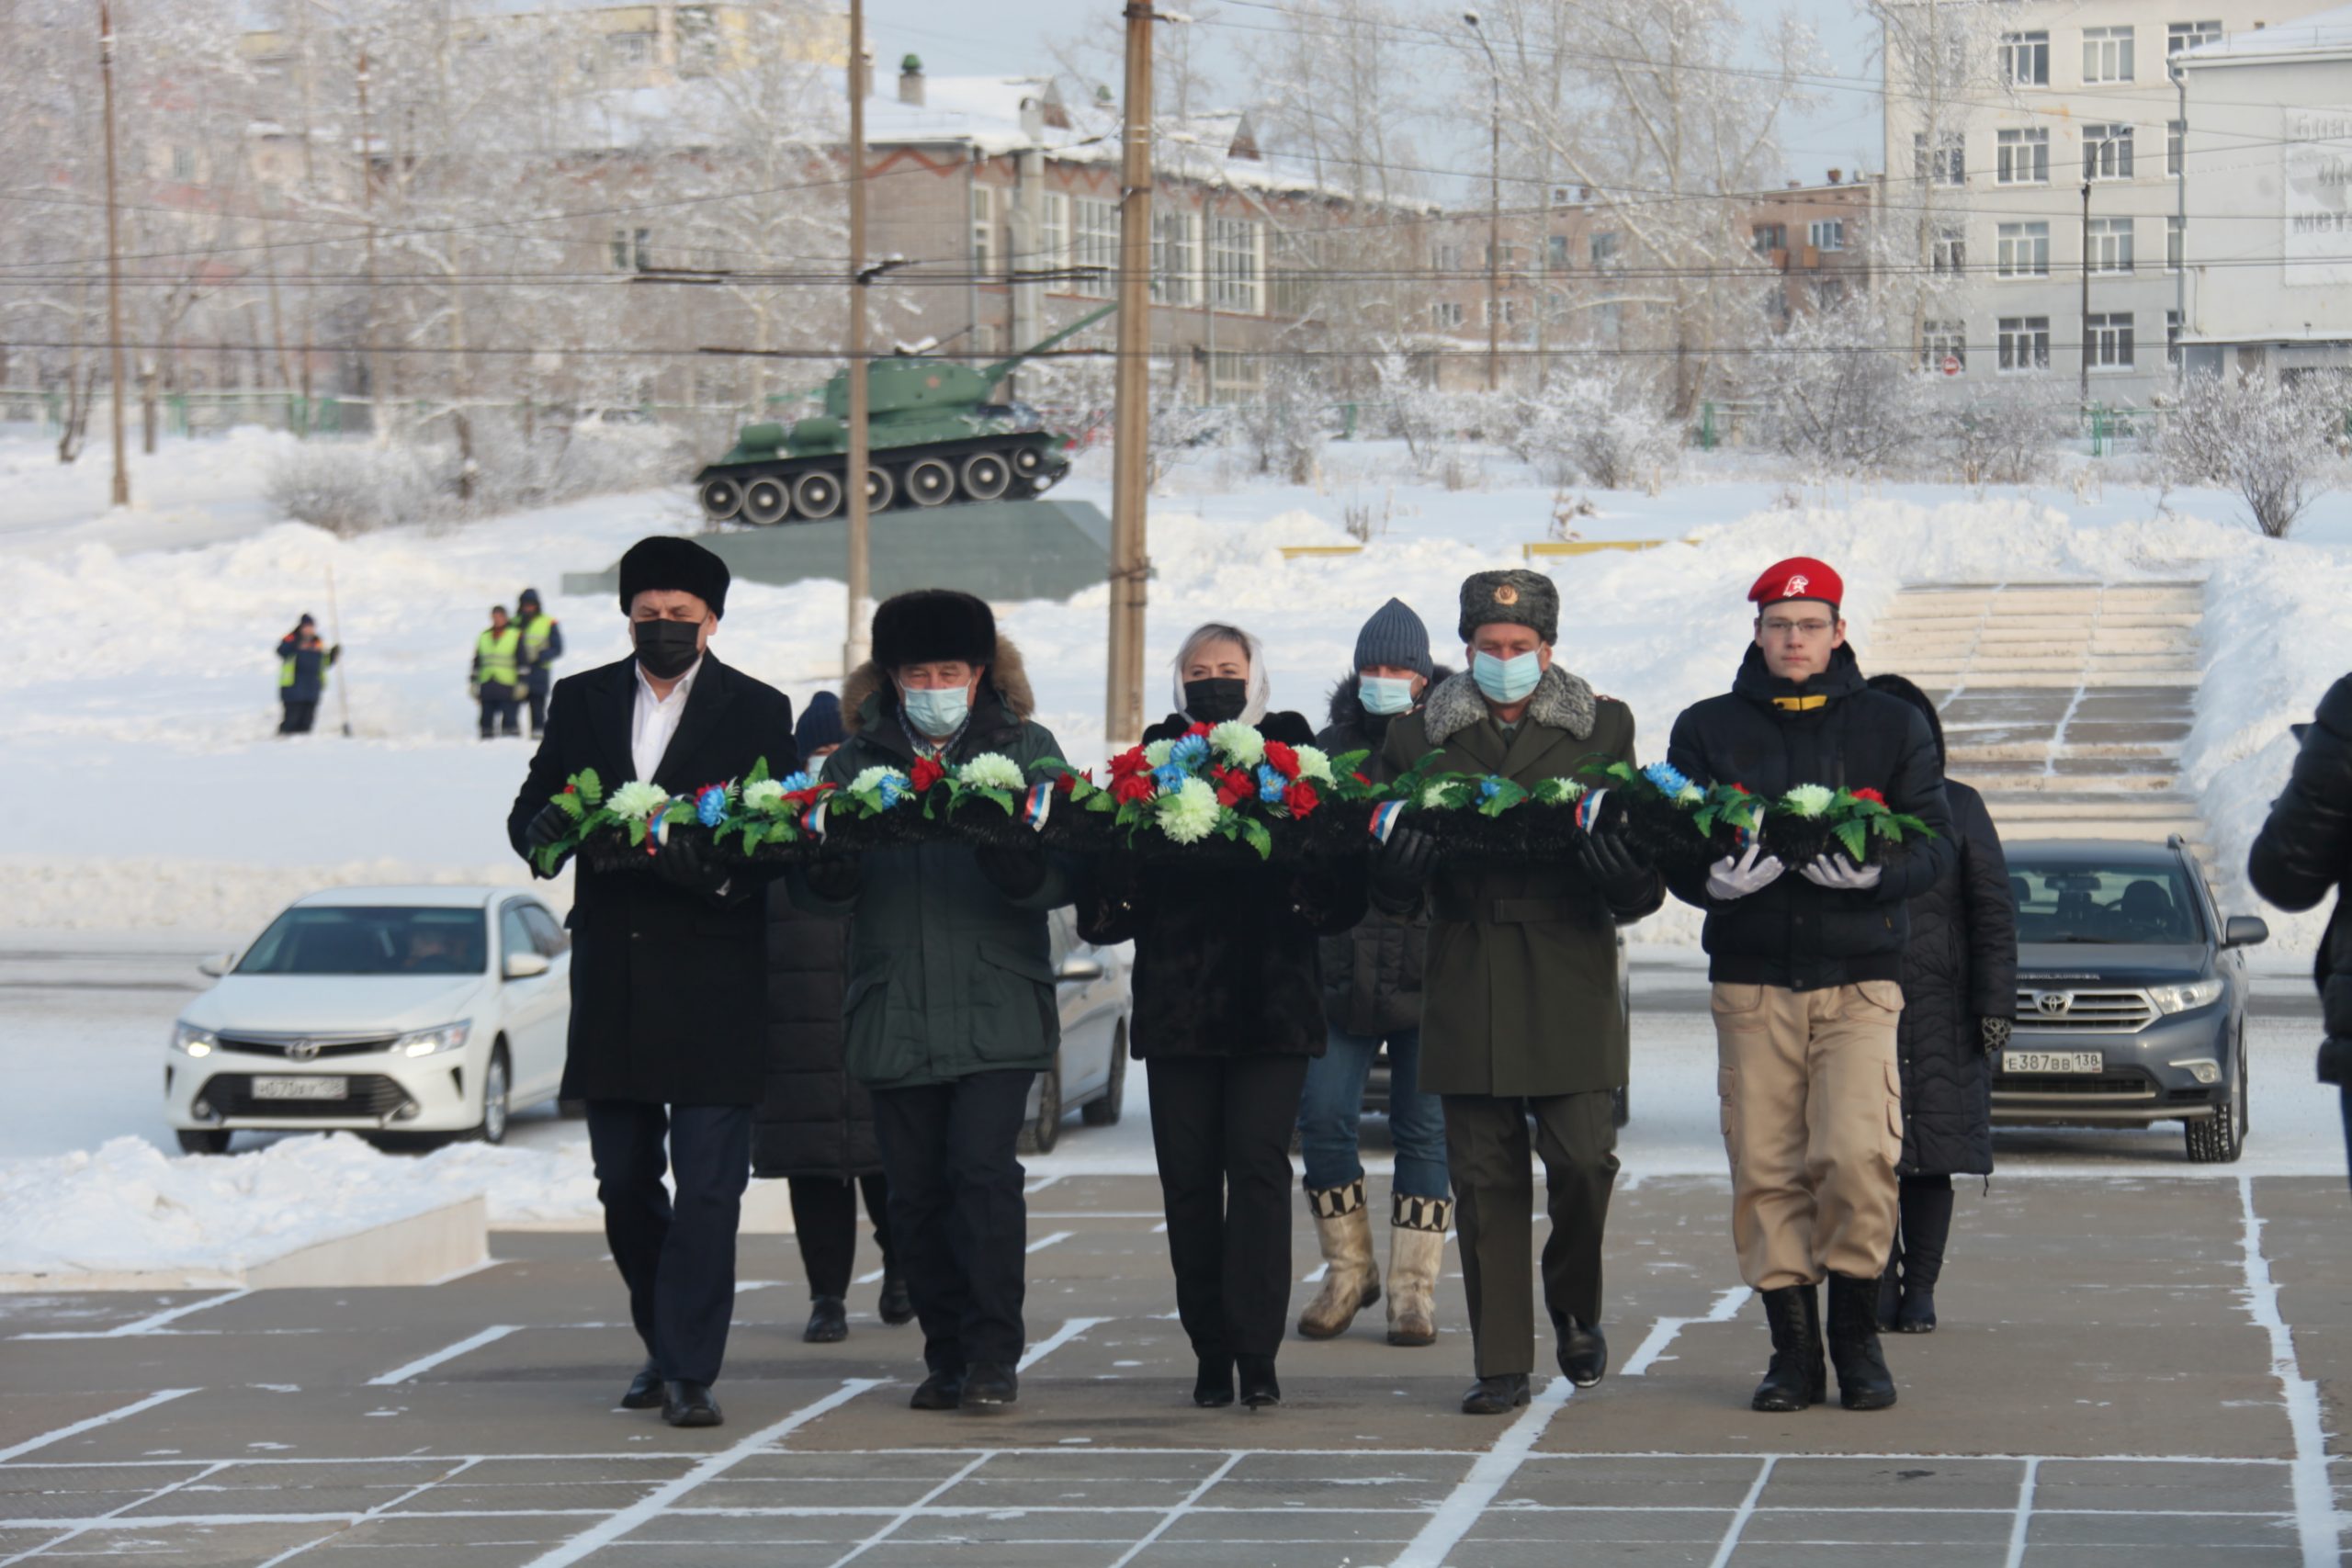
[
  {"x": 668, "y": 979},
  {"x": 2304, "y": 851},
  {"x": 1806, "y": 973}
]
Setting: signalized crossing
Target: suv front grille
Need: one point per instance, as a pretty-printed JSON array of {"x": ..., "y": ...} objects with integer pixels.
[
  {"x": 2085, "y": 1013},
  {"x": 371, "y": 1095},
  {"x": 283, "y": 1046}
]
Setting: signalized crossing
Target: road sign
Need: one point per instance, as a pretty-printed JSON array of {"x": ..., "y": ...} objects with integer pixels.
[{"x": 1952, "y": 365}]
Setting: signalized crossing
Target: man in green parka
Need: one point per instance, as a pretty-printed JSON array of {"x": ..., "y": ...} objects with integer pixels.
[
  {"x": 950, "y": 1011},
  {"x": 1520, "y": 1006}
]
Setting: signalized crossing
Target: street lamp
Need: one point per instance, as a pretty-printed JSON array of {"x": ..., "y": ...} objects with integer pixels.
[{"x": 1494, "y": 201}]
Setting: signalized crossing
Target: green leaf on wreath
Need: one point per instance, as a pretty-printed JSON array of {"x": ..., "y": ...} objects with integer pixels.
[
  {"x": 570, "y": 805},
  {"x": 636, "y": 833},
  {"x": 1854, "y": 837},
  {"x": 1705, "y": 820},
  {"x": 759, "y": 772},
  {"x": 591, "y": 788},
  {"x": 1254, "y": 834},
  {"x": 1507, "y": 794}
]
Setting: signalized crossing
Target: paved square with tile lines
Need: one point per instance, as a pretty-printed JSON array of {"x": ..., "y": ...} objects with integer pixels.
[{"x": 2135, "y": 1370}]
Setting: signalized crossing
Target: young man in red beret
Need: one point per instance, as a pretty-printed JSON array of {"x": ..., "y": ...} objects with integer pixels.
[{"x": 1806, "y": 972}]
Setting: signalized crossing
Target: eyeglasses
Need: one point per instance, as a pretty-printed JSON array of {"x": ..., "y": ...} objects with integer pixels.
[{"x": 1776, "y": 626}]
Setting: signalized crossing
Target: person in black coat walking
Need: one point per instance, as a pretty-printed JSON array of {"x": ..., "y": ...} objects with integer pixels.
[
  {"x": 1959, "y": 999},
  {"x": 1227, "y": 1010},
  {"x": 814, "y": 1126},
  {"x": 668, "y": 975},
  {"x": 2304, "y": 851}
]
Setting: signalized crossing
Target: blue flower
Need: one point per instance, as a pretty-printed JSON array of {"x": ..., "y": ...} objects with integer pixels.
[
  {"x": 1168, "y": 776},
  {"x": 1271, "y": 784},
  {"x": 793, "y": 783},
  {"x": 710, "y": 806},
  {"x": 1189, "y": 751},
  {"x": 1667, "y": 776},
  {"x": 890, "y": 791},
  {"x": 1489, "y": 787}
]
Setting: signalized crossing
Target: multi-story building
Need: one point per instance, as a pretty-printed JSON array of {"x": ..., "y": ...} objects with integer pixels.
[{"x": 2038, "y": 164}]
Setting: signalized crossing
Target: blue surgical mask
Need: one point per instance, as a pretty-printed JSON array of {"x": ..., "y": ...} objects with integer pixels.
[
  {"x": 1506, "y": 679},
  {"x": 1386, "y": 694},
  {"x": 939, "y": 710}
]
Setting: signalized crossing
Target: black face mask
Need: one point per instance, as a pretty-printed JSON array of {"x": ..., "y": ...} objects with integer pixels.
[
  {"x": 1213, "y": 702},
  {"x": 666, "y": 648}
]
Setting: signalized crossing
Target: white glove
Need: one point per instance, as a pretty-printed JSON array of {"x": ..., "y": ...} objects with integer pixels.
[
  {"x": 1837, "y": 873},
  {"x": 1729, "y": 878}
]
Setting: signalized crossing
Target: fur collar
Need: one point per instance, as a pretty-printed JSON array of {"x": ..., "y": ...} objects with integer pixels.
[
  {"x": 1348, "y": 713},
  {"x": 1562, "y": 700},
  {"x": 1007, "y": 676}
]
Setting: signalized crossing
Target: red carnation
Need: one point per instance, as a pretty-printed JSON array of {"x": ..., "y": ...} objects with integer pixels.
[
  {"x": 1739, "y": 789},
  {"x": 1282, "y": 758},
  {"x": 925, "y": 773},
  {"x": 1065, "y": 784},
  {"x": 570, "y": 789},
  {"x": 1871, "y": 795},
  {"x": 1301, "y": 798},
  {"x": 1128, "y": 761},
  {"x": 1131, "y": 786},
  {"x": 1234, "y": 789},
  {"x": 1198, "y": 728}
]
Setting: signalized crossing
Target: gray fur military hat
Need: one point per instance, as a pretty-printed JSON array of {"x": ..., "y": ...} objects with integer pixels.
[{"x": 1518, "y": 596}]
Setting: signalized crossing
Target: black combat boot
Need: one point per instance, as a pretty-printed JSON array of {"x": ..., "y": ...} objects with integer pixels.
[
  {"x": 1863, "y": 1382},
  {"x": 1796, "y": 1378}
]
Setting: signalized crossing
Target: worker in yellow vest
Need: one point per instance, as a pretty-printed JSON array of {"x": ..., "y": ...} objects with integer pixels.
[
  {"x": 542, "y": 646},
  {"x": 497, "y": 674}
]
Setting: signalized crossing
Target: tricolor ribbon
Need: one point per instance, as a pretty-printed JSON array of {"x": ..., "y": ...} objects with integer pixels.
[
  {"x": 812, "y": 821},
  {"x": 1589, "y": 808},
  {"x": 1039, "y": 802},
  {"x": 1383, "y": 819}
]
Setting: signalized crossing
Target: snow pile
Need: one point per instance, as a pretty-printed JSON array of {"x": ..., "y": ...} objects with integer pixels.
[
  {"x": 128, "y": 1208},
  {"x": 97, "y": 893}
]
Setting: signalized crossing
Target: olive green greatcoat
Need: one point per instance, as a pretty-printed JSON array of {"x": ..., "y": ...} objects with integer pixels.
[{"x": 1519, "y": 995}]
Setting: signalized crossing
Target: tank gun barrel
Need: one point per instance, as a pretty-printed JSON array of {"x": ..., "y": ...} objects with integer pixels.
[{"x": 996, "y": 372}]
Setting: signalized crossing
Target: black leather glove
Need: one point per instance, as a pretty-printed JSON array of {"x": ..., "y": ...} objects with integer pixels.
[
  {"x": 687, "y": 861},
  {"x": 1402, "y": 869},
  {"x": 1624, "y": 878},
  {"x": 834, "y": 875},
  {"x": 551, "y": 823},
  {"x": 1995, "y": 1031},
  {"x": 1017, "y": 869}
]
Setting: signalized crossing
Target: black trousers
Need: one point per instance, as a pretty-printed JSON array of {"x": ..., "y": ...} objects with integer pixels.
[
  {"x": 678, "y": 1258},
  {"x": 1220, "y": 1126},
  {"x": 1494, "y": 1193},
  {"x": 535, "y": 685},
  {"x": 498, "y": 704},
  {"x": 298, "y": 715},
  {"x": 958, "y": 1221},
  {"x": 824, "y": 1222}
]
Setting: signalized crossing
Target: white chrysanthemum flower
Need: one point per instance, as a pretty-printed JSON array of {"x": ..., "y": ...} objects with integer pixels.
[
  {"x": 1237, "y": 743},
  {"x": 764, "y": 796},
  {"x": 1809, "y": 800},
  {"x": 872, "y": 779},
  {"x": 1157, "y": 752},
  {"x": 1559, "y": 792},
  {"x": 992, "y": 769},
  {"x": 1187, "y": 814},
  {"x": 1314, "y": 763},
  {"x": 636, "y": 800}
]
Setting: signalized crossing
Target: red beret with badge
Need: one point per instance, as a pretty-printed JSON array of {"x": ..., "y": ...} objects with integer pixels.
[{"x": 1799, "y": 577}]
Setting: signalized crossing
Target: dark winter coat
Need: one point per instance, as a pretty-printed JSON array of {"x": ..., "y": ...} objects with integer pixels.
[
  {"x": 1225, "y": 958},
  {"x": 1961, "y": 966},
  {"x": 302, "y": 669},
  {"x": 1372, "y": 975},
  {"x": 1793, "y": 933},
  {"x": 2304, "y": 850},
  {"x": 669, "y": 987},
  {"x": 1519, "y": 995},
  {"x": 814, "y": 1119},
  {"x": 947, "y": 975}
]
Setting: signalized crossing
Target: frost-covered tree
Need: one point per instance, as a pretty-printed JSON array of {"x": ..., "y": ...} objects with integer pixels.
[
  {"x": 1832, "y": 394},
  {"x": 1605, "y": 427},
  {"x": 2007, "y": 432},
  {"x": 2273, "y": 442},
  {"x": 1285, "y": 428}
]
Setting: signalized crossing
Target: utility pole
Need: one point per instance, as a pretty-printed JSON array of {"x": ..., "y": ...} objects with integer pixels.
[
  {"x": 1123, "y": 702},
  {"x": 378, "y": 403},
  {"x": 856, "y": 646},
  {"x": 2085, "y": 394},
  {"x": 1494, "y": 204},
  {"x": 114, "y": 254}
]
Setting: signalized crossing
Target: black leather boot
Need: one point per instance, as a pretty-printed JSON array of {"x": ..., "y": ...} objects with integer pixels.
[
  {"x": 1213, "y": 1385},
  {"x": 645, "y": 1389},
  {"x": 1890, "y": 1292},
  {"x": 897, "y": 1304},
  {"x": 940, "y": 1391},
  {"x": 1816, "y": 1355},
  {"x": 1258, "y": 1387},
  {"x": 1495, "y": 1395},
  {"x": 1926, "y": 1226},
  {"x": 1863, "y": 1382},
  {"x": 990, "y": 1386},
  {"x": 688, "y": 1405},
  {"x": 1792, "y": 1380},
  {"x": 1584, "y": 1350},
  {"x": 828, "y": 1321}
]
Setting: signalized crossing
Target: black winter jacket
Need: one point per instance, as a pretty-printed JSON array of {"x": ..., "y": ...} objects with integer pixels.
[
  {"x": 1961, "y": 966},
  {"x": 1372, "y": 975},
  {"x": 1226, "y": 960},
  {"x": 2305, "y": 849},
  {"x": 1793, "y": 933},
  {"x": 814, "y": 1120}
]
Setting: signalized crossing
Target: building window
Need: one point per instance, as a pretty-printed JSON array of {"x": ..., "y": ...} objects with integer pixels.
[
  {"x": 2107, "y": 55},
  {"x": 1555, "y": 307},
  {"x": 697, "y": 40},
  {"x": 1235, "y": 377},
  {"x": 2022, "y": 251},
  {"x": 1950, "y": 254},
  {"x": 2021, "y": 157},
  {"x": 1446, "y": 314},
  {"x": 1604, "y": 248},
  {"x": 1771, "y": 237},
  {"x": 1509, "y": 311},
  {"x": 2111, "y": 342},
  {"x": 1233, "y": 265},
  {"x": 631, "y": 48},
  {"x": 182, "y": 164},
  {"x": 2188, "y": 35},
  {"x": 2174, "y": 233},
  {"x": 2110, "y": 244},
  {"x": 2024, "y": 343},
  {"x": 632, "y": 249},
  {"x": 2172, "y": 338},
  {"x": 1509, "y": 262},
  {"x": 1826, "y": 234},
  {"x": 1445, "y": 258},
  {"x": 1555, "y": 253},
  {"x": 984, "y": 251},
  {"x": 2107, "y": 151},
  {"x": 1940, "y": 340},
  {"x": 1949, "y": 165},
  {"x": 1175, "y": 261},
  {"x": 2176, "y": 133},
  {"x": 2024, "y": 59},
  {"x": 1094, "y": 243}
]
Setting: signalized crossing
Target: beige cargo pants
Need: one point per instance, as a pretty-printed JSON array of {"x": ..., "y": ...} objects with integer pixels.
[{"x": 1813, "y": 1122}]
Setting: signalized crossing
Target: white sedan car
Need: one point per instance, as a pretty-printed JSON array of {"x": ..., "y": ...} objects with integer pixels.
[{"x": 404, "y": 1010}]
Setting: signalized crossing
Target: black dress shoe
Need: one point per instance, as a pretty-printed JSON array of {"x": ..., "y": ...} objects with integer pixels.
[
  {"x": 941, "y": 1391},
  {"x": 828, "y": 1321},
  {"x": 1258, "y": 1388},
  {"x": 1213, "y": 1388},
  {"x": 1584, "y": 1353},
  {"x": 1496, "y": 1396},
  {"x": 645, "y": 1389},
  {"x": 688, "y": 1405},
  {"x": 897, "y": 1304},
  {"x": 990, "y": 1386}
]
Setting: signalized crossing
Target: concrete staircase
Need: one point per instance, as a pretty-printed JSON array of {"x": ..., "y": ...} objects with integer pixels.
[{"x": 2065, "y": 702}]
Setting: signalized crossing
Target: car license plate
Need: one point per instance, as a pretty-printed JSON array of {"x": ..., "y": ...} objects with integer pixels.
[
  {"x": 302, "y": 1088},
  {"x": 2052, "y": 1062}
]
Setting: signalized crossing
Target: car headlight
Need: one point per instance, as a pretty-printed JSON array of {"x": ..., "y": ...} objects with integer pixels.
[
  {"x": 190, "y": 1041},
  {"x": 433, "y": 1042},
  {"x": 2182, "y": 998}
]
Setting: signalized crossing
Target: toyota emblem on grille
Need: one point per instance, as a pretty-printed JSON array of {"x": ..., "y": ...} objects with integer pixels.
[
  {"x": 2051, "y": 1004},
  {"x": 302, "y": 1051}
]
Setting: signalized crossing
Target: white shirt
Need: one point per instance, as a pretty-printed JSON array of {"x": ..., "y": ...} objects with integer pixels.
[{"x": 655, "y": 720}]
